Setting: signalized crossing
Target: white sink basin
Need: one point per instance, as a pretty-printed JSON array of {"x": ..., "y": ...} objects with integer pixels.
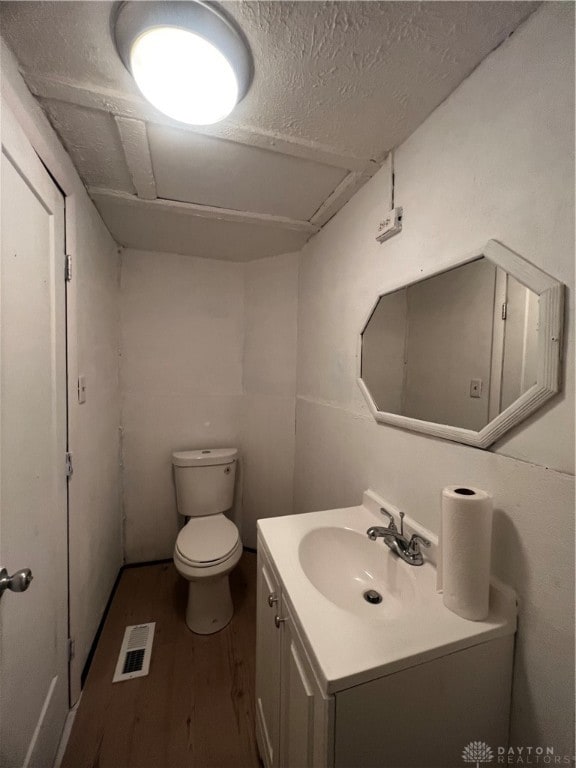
[
  {"x": 343, "y": 564},
  {"x": 326, "y": 562}
]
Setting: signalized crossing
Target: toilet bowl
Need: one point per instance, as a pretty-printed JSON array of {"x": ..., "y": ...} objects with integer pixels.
[
  {"x": 208, "y": 546},
  {"x": 203, "y": 557}
]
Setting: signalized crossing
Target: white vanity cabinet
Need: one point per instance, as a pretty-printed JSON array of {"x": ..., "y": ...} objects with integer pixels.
[
  {"x": 268, "y": 650},
  {"x": 292, "y": 714},
  {"x": 322, "y": 702}
]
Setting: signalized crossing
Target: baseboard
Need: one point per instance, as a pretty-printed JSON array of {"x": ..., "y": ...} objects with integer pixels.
[
  {"x": 146, "y": 562},
  {"x": 92, "y": 650}
]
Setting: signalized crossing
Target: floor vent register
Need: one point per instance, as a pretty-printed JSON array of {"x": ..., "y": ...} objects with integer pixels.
[{"x": 134, "y": 658}]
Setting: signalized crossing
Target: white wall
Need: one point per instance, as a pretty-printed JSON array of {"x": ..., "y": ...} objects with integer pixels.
[
  {"x": 95, "y": 523},
  {"x": 268, "y": 435},
  {"x": 208, "y": 359},
  {"x": 93, "y": 320},
  {"x": 182, "y": 332},
  {"x": 495, "y": 160}
]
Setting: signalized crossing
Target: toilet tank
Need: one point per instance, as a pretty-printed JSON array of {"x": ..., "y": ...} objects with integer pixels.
[{"x": 204, "y": 480}]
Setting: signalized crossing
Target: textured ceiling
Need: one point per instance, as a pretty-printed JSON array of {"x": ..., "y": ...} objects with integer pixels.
[{"x": 336, "y": 86}]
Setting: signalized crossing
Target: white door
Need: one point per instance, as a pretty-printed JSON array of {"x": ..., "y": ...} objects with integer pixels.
[{"x": 33, "y": 503}]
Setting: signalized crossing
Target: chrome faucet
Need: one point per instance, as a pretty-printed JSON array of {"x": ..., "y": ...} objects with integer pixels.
[{"x": 407, "y": 549}]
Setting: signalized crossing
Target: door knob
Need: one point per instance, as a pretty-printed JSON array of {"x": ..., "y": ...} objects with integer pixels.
[
  {"x": 272, "y": 599},
  {"x": 278, "y": 621},
  {"x": 18, "y": 582}
]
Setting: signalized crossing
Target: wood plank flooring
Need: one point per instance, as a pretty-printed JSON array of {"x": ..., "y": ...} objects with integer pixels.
[{"x": 196, "y": 707}]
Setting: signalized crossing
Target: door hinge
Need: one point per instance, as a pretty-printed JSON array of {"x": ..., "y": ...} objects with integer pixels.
[
  {"x": 69, "y": 467},
  {"x": 71, "y": 649},
  {"x": 68, "y": 268},
  {"x": 504, "y": 310}
]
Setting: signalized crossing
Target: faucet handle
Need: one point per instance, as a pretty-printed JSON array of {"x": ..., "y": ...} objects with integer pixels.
[
  {"x": 390, "y": 516},
  {"x": 415, "y": 541}
]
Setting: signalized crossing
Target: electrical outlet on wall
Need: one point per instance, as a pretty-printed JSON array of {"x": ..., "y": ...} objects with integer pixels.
[{"x": 390, "y": 225}]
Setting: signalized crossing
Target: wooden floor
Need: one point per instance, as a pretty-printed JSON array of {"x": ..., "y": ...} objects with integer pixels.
[{"x": 196, "y": 707}]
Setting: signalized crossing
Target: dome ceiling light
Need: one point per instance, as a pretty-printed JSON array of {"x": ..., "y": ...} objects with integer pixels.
[{"x": 188, "y": 59}]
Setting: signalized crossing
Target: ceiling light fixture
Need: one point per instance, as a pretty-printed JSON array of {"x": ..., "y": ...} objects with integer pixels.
[{"x": 187, "y": 57}]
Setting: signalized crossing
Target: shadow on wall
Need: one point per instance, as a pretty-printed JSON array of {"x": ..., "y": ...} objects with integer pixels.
[
  {"x": 509, "y": 563},
  {"x": 179, "y": 519}
]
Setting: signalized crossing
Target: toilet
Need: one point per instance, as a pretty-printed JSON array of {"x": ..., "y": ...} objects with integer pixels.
[{"x": 208, "y": 546}]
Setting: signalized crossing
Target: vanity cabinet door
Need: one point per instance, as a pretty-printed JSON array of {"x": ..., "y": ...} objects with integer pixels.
[
  {"x": 297, "y": 707},
  {"x": 268, "y": 649},
  {"x": 306, "y": 715}
]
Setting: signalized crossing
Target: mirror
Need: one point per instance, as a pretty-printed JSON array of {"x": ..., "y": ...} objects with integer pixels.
[{"x": 466, "y": 353}]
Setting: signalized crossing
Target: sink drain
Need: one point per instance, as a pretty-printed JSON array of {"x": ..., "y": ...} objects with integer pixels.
[{"x": 373, "y": 597}]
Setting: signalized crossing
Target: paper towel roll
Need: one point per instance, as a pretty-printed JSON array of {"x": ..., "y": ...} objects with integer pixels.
[{"x": 466, "y": 544}]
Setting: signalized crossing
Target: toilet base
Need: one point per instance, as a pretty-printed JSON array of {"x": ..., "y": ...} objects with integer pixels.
[{"x": 210, "y": 606}]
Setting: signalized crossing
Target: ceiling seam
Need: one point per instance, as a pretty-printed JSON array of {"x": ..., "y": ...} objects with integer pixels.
[
  {"x": 128, "y": 106},
  {"x": 136, "y": 147},
  {"x": 345, "y": 190},
  {"x": 206, "y": 211}
]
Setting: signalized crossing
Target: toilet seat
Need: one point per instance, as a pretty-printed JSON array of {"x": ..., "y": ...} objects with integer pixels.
[{"x": 207, "y": 541}]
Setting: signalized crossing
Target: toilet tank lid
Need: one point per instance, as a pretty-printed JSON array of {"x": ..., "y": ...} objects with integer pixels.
[{"x": 204, "y": 457}]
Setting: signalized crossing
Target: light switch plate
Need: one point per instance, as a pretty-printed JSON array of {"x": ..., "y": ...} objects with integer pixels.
[{"x": 475, "y": 387}]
